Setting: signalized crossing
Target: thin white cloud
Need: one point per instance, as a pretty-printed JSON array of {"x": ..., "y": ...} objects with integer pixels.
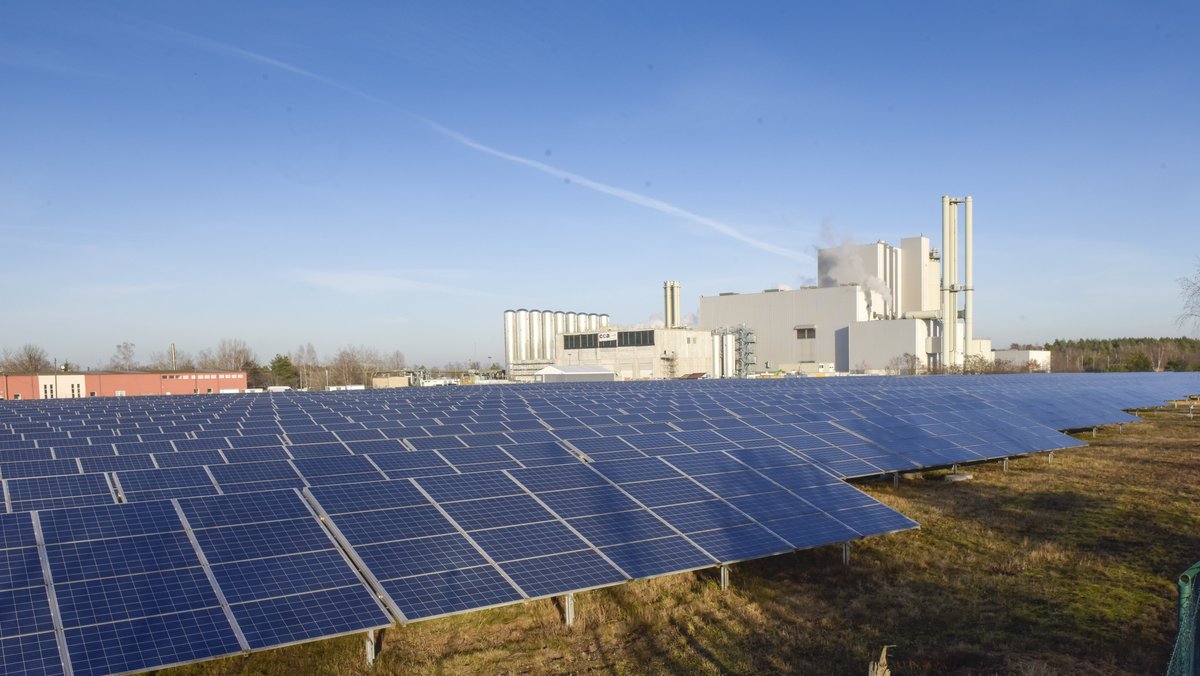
[
  {"x": 613, "y": 191},
  {"x": 623, "y": 194}
]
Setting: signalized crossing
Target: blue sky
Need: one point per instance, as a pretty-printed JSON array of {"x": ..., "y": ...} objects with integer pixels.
[{"x": 397, "y": 176}]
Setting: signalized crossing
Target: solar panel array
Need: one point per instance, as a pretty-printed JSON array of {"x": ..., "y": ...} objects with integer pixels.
[{"x": 147, "y": 532}]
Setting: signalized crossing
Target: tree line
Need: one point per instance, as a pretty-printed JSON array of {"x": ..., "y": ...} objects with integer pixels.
[
  {"x": 303, "y": 368},
  {"x": 1124, "y": 354}
]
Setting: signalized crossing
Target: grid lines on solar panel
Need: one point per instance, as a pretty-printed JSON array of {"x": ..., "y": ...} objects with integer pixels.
[
  {"x": 561, "y": 573},
  {"x": 432, "y": 595}
]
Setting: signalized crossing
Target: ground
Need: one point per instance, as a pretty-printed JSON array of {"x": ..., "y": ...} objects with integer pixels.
[{"x": 1059, "y": 567}]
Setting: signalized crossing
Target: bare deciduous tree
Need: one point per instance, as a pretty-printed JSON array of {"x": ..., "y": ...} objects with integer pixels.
[
  {"x": 306, "y": 363},
  {"x": 123, "y": 358},
  {"x": 1189, "y": 288},
  {"x": 29, "y": 358},
  {"x": 232, "y": 354}
]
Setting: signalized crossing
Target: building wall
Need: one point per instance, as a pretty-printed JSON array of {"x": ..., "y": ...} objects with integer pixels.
[
  {"x": 874, "y": 346},
  {"x": 674, "y": 354},
  {"x": 385, "y": 382},
  {"x": 920, "y": 277},
  {"x": 138, "y": 384},
  {"x": 775, "y": 315},
  {"x": 78, "y": 385},
  {"x": 19, "y": 387}
]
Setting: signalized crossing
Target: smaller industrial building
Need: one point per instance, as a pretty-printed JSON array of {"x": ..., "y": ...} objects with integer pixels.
[{"x": 111, "y": 384}]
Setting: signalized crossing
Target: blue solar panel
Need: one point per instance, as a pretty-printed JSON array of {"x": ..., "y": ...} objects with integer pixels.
[
  {"x": 657, "y": 557},
  {"x": 16, "y": 530},
  {"x": 621, "y": 527},
  {"x": 393, "y": 524},
  {"x": 666, "y": 492},
  {"x": 811, "y": 530},
  {"x": 529, "y": 540},
  {"x": 284, "y": 575},
  {"x": 236, "y": 543},
  {"x": 122, "y": 598},
  {"x": 495, "y": 512},
  {"x": 111, "y": 521},
  {"x": 367, "y": 496},
  {"x": 415, "y": 557},
  {"x": 558, "y": 477},
  {"x": 31, "y": 654},
  {"x": 151, "y": 642},
  {"x": 426, "y": 596},
  {"x": 20, "y": 568},
  {"x": 469, "y": 486},
  {"x": 895, "y": 424},
  {"x": 587, "y": 501},
  {"x": 300, "y": 617},
  {"x": 700, "y": 516},
  {"x": 550, "y": 575},
  {"x": 120, "y": 556},
  {"x": 739, "y": 543}
]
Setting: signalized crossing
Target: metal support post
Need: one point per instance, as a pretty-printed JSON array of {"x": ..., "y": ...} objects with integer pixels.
[
  {"x": 1050, "y": 457},
  {"x": 1093, "y": 432},
  {"x": 568, "y": 609},
  {"x": 896, "y": 480},
  {"x": 374, "y": 643},
  {"x": 845, "y": 553},
  {"x": 724, "y": 578},
  {"x": 1006, "y": 464},
  {"x": 954, "y": 469},
  {"x": 1121, "y": 428}
]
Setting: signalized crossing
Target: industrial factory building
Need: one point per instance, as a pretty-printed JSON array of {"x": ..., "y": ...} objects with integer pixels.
[
  {"x": 104, "y": 384},
  {"x": 877, "y": 308},
  {"x": 532, "y": 338}
]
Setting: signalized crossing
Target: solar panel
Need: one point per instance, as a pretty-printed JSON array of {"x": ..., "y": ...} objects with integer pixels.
[{"x": 683, "y": 475}]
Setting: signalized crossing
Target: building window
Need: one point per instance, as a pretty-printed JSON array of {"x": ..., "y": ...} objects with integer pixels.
[
  {"x": 635, "y": 338},
  {"x": 580, "y": 341},
  {"x": 805, "y": 333}
]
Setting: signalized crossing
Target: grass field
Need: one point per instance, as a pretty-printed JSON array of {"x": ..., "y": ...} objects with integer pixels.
[{"x": 1051, "y": 568}]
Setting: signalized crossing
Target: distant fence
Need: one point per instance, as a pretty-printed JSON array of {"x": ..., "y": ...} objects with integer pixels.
[{"x": 1185, "y": 660}]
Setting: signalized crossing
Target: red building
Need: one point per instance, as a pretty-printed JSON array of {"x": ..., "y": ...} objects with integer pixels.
[{"x": 100, "y": 384}]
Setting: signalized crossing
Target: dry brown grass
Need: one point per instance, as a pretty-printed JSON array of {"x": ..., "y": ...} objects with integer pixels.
[{"x": 1059, "y": 568}]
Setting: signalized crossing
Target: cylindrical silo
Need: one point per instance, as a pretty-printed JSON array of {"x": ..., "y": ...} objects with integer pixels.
[
  {"x": 604, "y": 321},
  {"x": 549, "y": 336},
  {"x": 718, "y": 370},
  {"x": 510, "y": 337},
  {"x": 535, "y": 334},
  {"x": 522, "y": 332},
  {"x": 560, "y": 323},
  {"x": 728, "y": 353},
  {"x": 593, "y": 322},
  {"x": 572, "y": 322}
]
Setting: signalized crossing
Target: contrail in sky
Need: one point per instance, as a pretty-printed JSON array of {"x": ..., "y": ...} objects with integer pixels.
[{"x": 613, "y": 191}]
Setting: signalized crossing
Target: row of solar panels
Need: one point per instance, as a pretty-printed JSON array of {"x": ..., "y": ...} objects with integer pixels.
[
  {"x": 876, "y": 446},
  {"x": 680, "y": 477},
  {"x": 142, "y": 585}
]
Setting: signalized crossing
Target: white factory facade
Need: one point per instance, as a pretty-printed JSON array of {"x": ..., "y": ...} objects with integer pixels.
[{"x": 878, "y": 308}]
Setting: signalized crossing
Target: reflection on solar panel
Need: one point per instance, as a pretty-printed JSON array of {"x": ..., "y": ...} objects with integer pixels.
[{"x": 147, "y": 532}]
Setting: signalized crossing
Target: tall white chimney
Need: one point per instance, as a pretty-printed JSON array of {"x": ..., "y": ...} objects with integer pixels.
[{"x": 672, "y": 314}]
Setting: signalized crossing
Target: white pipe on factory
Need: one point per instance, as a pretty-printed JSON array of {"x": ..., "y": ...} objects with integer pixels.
[
  {"x": 945, "y": 309},
  {"x": 969, "y": 310}
]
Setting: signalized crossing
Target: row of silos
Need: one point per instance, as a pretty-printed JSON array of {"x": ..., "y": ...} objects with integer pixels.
[
  {"x": 724, "y": 354},
  {"x": 533, "y": 335}
]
